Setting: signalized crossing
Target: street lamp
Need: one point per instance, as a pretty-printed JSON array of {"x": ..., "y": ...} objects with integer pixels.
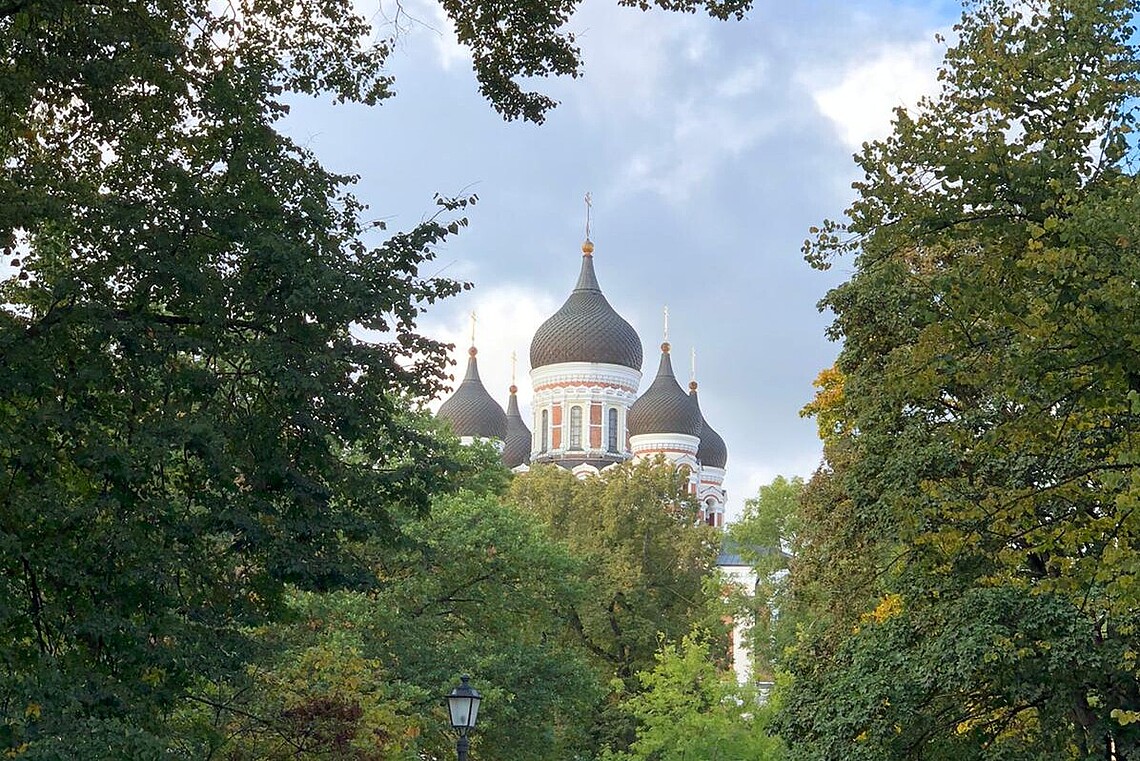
[{"x": 463, "y": 705}]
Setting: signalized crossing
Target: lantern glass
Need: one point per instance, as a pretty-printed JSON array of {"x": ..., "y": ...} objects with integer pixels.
[{"x": 463, "y": 705}]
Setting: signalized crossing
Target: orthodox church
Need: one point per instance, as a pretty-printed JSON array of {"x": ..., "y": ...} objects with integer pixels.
[{"x": 587, "y": 415}]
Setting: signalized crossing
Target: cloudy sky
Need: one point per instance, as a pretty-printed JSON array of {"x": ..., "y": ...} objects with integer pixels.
[{"x": 709, "y": 148}]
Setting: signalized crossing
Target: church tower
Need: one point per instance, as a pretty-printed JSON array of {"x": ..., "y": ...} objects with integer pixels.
[
  {"x": 712, "y": 454},
  {"x": 471, "y": 412},
  {"x": 665, "y": 420},
  {"x": 585, "y": 368},
  {"x": 516, "y": 451}
]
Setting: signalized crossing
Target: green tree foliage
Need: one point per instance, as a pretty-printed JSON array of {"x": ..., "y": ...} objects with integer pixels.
[
  {"x": 189, "y": 422},
  {"x": 765, "y": 536},
  {"x": 476, "y": 587},
  {"x": 647, "y": 563},
  {"x": 839, "y": 550},
  {"x": 636, "y": 529},
  {"x": 983, "y": 464},
  {"x": 688, "y": 710}
]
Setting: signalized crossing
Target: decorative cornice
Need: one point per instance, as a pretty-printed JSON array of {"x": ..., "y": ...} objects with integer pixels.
[{"x": 585, "y": 374}]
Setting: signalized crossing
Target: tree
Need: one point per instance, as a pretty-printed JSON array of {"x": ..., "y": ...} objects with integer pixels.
[
  {"x": 475, "y": 587},
  {"x": 636, "y": 528},
  {"x": 688, "y": 710},
  {"x": 649, "y": 564},
  {"x": 765, "y": 535},
  {"x": 988, "y": 458},
  {"x": 191, "y": 425}
]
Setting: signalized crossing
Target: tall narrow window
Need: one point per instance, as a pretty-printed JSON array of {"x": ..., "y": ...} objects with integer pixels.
[
  {"x": 575, "y": 427},
  {"x": 611, "y": 430},
  {"x": 545, "y": 430}
]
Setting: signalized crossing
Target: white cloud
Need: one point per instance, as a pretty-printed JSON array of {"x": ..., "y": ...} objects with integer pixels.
[
  {"x": 449, "y": 51},
  {"x": 631, "y": 59},
  {"x": 506, "y": 319},
  {"x": 745, "y": 80},
  {"x": 413, "y": 21},
  {"x": 861, "y": 101},
  {"x": 744, "y": 479},
  {"x": 706, "y": 135}
]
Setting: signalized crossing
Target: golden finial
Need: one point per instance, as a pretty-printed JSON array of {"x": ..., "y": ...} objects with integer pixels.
[
  {"x": 514, "y": 363},
  {"x": 665, "y": 337},
  {"x": 473, "y": 328},
  {"x": 693, "y": 365}
]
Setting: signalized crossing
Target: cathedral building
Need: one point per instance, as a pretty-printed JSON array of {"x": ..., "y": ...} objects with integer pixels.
[{"x": 586, "y": 414}]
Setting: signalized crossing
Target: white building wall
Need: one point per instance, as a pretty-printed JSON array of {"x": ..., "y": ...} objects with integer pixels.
[
  {"x": 561, "y": 387},
  {"x": 743, "y": 577}
]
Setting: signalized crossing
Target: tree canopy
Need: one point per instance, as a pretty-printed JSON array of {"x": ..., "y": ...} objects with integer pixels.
[
  {"x": 647, "y": 564},
  {"x": 192, "y": 429},
  {"x": 765, "y": 536},
  {"x": 689, "y": 710},
  {"x": 982, "y": 463}
]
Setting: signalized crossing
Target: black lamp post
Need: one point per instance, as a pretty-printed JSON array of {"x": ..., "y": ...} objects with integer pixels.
[{"x": 463, "y": 705}]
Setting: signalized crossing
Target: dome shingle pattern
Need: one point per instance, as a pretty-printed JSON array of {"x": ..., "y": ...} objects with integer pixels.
[
  {"x": 664, "y": 407},
  {"x": 516, "y": 447},
  {"x": 712, "y": 452},
  {"x": 471, "y": 411},
  {"x": 586, "y": 329}
]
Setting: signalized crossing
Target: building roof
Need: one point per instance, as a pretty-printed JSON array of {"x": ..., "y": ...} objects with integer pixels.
[
  {"x": 664, "y": 407},
  {"x": 733, "y": 553},
  {"x": 516, "y": 447},
  {"x": 586, "y": 328},
  {"x": 712, "y": 452},
  {"x": 471, "y": 411}
]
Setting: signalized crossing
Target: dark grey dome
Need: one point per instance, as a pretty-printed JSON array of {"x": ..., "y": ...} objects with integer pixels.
[
  {"x": 516, "y": 449},
  {"x": 712, "y": 452},
  {"x": 471, "y": 410},
  {"x": 664, "y": 407},
  {"x": 586, "y": 328}
]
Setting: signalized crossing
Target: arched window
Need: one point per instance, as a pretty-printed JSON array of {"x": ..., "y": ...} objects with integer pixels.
[
  {"x": 545, "y": 430},
  {"x": 611, "y": 430},
  {"x": 575, "y": 427}
]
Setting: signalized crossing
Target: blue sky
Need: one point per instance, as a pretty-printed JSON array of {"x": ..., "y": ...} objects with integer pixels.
[{"x": 709, "y": 148}]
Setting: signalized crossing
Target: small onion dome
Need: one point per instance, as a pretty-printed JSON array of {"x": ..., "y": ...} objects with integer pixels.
[
  {"x": 516, "y": 447},
  {"x": 664, "y": 407},
  {"x": 712, "y": 452},
  {"x": 586, "y": 328},
  {"x": 471, "y": 410}
]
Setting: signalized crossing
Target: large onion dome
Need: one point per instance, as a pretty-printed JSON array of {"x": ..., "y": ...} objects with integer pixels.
[
  {"x": 516, "y": 449},
  {"x": 471, "y": 410},
  {"x": 664, "y": 407},
  {"x": 586, "y": 328},
  {"x": 712, "y": 452}
]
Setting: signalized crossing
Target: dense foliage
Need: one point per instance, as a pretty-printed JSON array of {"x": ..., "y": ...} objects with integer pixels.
[
  {"x": 765, "y": 535},
  {"x": 193, "y": 437},
  {"x": 187, "y": 420},
  {"x": 688, "y": 710},
  {"x": 476, "y": 587},
  {"x": 970, "y": 548},
  {"x": 648, "y": 566}
]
